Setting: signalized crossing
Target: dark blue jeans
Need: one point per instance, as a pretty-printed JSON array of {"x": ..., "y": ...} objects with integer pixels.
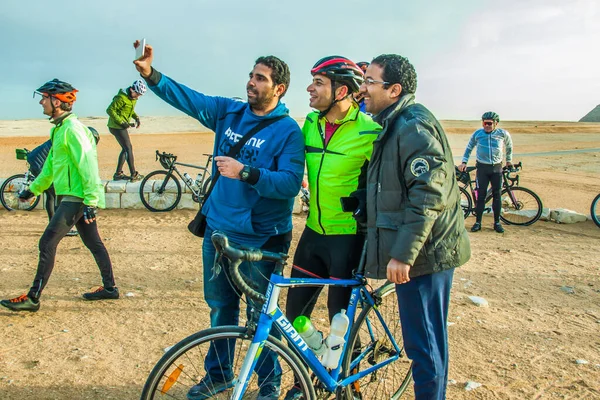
[
  {"x": 423, "y": 303},
  {"x": 224, "y": 303}
]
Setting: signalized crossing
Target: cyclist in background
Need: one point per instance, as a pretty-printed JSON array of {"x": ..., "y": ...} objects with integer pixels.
[
  {"x": 491, "y": 142},
  {"x": 338, "y": 139},
  {"x": 120, "y": 112},
  {"x": 358, "y": 96},
  {"x": 72, "y": 166}
]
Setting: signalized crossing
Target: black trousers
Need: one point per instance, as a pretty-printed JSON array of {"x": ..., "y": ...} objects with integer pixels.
[
  {"x": 488, "y": 174},
  {"x": 126, "y": 154},
  {"x": 324, "y": 256},
  {"x": 67, "y": 215}
]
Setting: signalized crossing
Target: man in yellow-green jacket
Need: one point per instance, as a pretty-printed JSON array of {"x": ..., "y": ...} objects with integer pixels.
[
  {"x": 338, "y": 141},
  {"x": 72, "y": 166}
]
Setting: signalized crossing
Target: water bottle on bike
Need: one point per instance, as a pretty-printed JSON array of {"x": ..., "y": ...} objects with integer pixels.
[
  {"x": 335, "y": 341},
  {"x": 308, "y": 332},
  {"x": 189, "y": 181},
  {"x": 199, "y": 181}
]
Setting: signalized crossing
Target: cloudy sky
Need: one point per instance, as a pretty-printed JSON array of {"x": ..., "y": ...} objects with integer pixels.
[{"x": 525, "y": 59}]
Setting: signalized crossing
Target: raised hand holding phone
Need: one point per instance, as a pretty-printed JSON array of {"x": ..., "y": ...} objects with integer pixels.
[{"x": 144, "y": 64}]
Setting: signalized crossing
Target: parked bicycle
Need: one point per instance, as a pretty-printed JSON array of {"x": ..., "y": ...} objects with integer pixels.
[
  {"x": 161, "y": 190},
  {"x": 13, "y": 185},
  {"x": 372, "y": 365},
  {"x": 520, "y": 206},
  {"x": 595, "y": 210}
]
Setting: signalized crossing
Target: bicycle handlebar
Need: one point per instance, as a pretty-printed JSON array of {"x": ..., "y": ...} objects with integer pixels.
[
  {"x": 514, "y": 168},
  {"x": 236, "y": 255},
  {"x": 166, "y": 159}
]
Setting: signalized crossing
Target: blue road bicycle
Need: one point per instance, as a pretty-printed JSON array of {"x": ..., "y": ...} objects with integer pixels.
[{"x": 373, "y": 364}]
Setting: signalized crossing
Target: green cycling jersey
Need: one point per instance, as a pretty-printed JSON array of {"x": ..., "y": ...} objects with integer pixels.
[{"x": 336, "y": 169}]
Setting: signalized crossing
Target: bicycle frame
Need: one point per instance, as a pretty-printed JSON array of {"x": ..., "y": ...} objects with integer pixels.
[
  {"x": 204, "y": 170},
  {"x": 271, "y": 313},
  {"x": 488, "y": 195}
]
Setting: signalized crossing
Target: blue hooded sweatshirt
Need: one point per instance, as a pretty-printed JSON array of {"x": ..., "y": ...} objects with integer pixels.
[{"x": 248, "y": 214}]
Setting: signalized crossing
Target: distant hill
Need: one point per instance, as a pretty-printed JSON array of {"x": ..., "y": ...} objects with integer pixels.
[{"x": 592, "y": 116}]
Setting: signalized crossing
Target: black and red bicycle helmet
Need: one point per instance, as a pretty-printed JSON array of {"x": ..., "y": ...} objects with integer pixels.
[{"x": 340, "y": 69}]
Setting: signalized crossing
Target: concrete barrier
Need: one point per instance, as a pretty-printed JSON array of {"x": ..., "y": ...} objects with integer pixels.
[{"x": 126, "y": 195}]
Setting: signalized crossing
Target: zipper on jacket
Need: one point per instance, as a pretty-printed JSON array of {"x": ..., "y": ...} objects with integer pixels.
[
  {"x": 69, "y": 177},
  {"x": 321, "y": 165}
]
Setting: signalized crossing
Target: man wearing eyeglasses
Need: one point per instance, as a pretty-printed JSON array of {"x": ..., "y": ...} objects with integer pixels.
[
  {"x": 491, "y": 142},
  {"x": 415, "y": 226}
]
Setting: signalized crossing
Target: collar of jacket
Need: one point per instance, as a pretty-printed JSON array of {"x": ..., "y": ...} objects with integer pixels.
[
  {"x": 351, "y": 115},
  {"x": 393, "y": 110},
  {"x": 60, "y": 119}
]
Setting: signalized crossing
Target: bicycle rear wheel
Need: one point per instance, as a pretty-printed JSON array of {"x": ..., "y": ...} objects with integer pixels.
[
  {"x": 520, "y": 206},
  {"x": 466, "y": 202},
  {"x": 162, "y": 189},
  {"x": 371, "y": 345},
  {"x": 595, "y": 211},
  {"x": 9, "y": 194},
  {"x": 182, "y": 366}
]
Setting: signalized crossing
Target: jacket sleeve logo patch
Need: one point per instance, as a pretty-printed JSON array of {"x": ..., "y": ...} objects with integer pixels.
[{"x": 419, "y": 166}]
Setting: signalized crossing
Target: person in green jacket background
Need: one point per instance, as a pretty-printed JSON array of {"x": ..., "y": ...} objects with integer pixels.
[
  {"x": 72, "y": 166},
  {"x": 121, "y": 111}
]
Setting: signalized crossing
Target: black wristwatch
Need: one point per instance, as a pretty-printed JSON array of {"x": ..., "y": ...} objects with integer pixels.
[{"x": 245, "y": 173}]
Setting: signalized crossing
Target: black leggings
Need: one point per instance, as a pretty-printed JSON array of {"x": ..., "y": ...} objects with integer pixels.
[
  {"x": 68, "y": 214},
  {"x": 126, "y": 154},
  {"x": 486, "y": 174},
  {"x": 324, "y": 256}
]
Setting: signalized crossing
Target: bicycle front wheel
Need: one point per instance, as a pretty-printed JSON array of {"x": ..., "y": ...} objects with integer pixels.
[
  {"x": 182, "y": 366},
  {"x": 372, "y": 345},
  {"x": 520, "y": 206},
  {"x": 466, "y": 202},
  {"x": 9, "y": 194},
  {"x": 163, "y": 191},
  {"x": 595, "y": 211}
]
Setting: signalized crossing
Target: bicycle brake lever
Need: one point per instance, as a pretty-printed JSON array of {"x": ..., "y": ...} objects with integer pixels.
[{"x": 217, "y": 267}]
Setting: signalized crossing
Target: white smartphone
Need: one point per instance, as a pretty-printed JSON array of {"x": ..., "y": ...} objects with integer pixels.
[{"x": 139, "y": 51}]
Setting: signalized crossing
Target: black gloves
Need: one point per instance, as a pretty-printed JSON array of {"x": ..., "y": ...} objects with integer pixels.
[
  {"x": 137, "y": 122},
  {"x": 89, "y": 214},
  {"x": 360, "y": 213},
  {"x": 25, "y": 194}
]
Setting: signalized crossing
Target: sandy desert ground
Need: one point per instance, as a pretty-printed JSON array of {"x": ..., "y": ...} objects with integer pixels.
[{"x": 523, "y": 346}]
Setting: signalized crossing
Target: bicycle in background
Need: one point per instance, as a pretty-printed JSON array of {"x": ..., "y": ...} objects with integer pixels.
[
  {"x": 163, "y": 188},
  {"x": 520, "y": 206},
  {"x": 372, "y": 364},
  {"x": 12, "y": 186},
  {"x": 595, "y": 210}
]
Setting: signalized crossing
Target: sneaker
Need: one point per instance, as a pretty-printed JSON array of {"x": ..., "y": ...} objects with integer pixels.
[
  {"x": 498, "y": 228},
  {"x": 476, "y": 227},
  {"x": 102, "y": 294},
  {"x": 72, "y": 232},
  {"x": 21, "y": 303},
  {"x": 269, "y": 391},
  {"x": 136, "y": 177},
  {"x": 207, "y": 389},
  {"x": 120, "y": 176},
  {"x": 294, "y": 393}
]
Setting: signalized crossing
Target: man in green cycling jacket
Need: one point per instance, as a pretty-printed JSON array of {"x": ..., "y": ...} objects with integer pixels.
[
  {"x": 72, "y": 166},
  {"x": 338, "y": 139}
]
